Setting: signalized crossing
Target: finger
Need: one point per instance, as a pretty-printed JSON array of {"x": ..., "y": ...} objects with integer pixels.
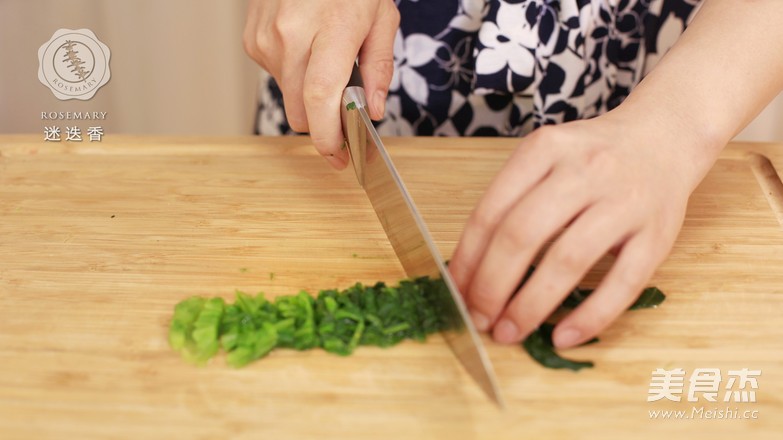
[
  {"x": 635, "y": 265},
  {"x": 291, "y": 84},
  {"x": 527, "y": 166},
  {"x": 376, "y": 58},
  {"x": 516, "y": 241},
  {"x": 333, "y": 53},
  {"x": 566, "y": 262},
  {"x": 249, "y": 42}
]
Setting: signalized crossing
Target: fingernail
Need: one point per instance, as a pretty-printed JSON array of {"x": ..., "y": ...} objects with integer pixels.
[
  {"x": 566, "y": 337},
  {"x": 506, "y": 331},
  {"x": 479, "y": 320},
  {"x": 379, "y": 101}
]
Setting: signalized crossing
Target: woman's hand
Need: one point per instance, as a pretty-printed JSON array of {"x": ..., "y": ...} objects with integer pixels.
[
  {"x": 615, "y": 184},
  {"x": 309, "y": 47},
  {"x": 619, "y": 182}
]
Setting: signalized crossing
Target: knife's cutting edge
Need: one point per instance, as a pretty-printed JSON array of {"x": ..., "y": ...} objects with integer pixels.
[{"x": 462, "y": 338}]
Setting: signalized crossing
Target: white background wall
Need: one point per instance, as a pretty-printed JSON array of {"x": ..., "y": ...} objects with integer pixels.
[{"x": 177, "y": 66}]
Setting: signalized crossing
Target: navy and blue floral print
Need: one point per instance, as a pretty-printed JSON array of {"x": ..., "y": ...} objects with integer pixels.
[{"x": 506, "y": 67}]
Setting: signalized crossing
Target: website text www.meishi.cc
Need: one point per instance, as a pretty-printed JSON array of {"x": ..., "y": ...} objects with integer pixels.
[{"x": 704, "y": 413}]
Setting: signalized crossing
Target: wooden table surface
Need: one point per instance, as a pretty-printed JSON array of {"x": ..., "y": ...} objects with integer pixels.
[{"x": 99, "y": 241}]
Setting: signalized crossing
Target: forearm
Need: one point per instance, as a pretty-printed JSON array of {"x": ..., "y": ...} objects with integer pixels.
[{"x": 724, "y": 69}]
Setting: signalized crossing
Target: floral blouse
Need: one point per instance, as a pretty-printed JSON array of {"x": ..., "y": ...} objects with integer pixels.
[{"x": 506, "y": 67}]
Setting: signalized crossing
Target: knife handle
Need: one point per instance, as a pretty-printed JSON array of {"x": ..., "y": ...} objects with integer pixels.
[{"x": 356, "y": 76}]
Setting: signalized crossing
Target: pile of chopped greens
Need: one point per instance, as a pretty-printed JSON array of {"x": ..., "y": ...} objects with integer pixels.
[
  {"x": 338, "y": 322},
  {"x": 335, "y": 321}
]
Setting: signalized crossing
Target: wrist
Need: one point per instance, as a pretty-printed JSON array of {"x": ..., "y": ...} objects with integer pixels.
[{"x": 690, "y": 143}]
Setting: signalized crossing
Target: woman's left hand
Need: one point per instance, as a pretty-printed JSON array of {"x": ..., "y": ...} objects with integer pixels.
[{"x": 614, "y": 183}]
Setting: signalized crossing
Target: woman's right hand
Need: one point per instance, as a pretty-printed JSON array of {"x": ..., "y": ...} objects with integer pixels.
[{"x": 309, "y": 47}]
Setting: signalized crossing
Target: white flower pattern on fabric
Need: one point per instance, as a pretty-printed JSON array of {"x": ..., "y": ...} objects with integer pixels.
[
  {"x": 470, "y": 14},
  {"x": 507, "y": 44},
  {"x": 410, "y": 52},
  {"x": 506, "y": 67}
]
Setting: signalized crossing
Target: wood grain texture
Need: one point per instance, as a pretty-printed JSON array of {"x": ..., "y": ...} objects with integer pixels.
[{"x": 99, "y": 241}]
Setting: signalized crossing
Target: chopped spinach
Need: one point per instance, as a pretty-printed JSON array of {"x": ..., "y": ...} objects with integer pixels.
[
  {"x": 336, "y": 321},
  {"x": 575, "y": 298},
  {"x": 340, "y": 321},
  {"x": 195, "y": 327},
  {"x": 351, "y": 106},
  {"x": 650, "y": 298},
  {"x": 539, "y": 346}
]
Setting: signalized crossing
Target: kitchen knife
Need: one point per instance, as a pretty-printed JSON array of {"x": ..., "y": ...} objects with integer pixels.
[{"x": 407, "y": 232}]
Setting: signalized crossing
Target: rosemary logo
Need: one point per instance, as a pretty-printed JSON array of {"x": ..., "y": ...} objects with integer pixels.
[{"x": 74, "y": 64}]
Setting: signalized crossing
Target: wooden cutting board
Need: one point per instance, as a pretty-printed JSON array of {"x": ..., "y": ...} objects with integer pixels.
[{"x": 100, "y": 240}]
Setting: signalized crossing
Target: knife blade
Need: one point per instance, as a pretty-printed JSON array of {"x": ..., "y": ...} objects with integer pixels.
[{"x": 408, "y": 233}]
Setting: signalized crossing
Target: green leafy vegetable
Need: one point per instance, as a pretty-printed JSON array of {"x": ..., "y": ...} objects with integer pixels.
[
  {"x": 351, "y": 106},
  {"x": 195, "y": 327},
  {"x": 650, "y": 297},
  {"x": 575, "y": 298},
  {"x": 340, "y": 321},
  {"x": 337, "y": 321},
  {"x": 539, "y": 346},
  {"x": 181, "y": 328}
]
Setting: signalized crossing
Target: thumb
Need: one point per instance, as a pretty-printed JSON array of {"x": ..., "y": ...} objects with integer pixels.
[{"x": 376, "y": 57}]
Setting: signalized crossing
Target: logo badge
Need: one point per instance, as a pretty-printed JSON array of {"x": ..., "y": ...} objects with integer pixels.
[{"x": 74, "y": 64}]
